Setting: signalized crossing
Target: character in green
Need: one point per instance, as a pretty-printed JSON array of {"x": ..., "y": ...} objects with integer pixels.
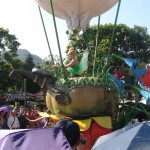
[{"x": 74, "y": 66}]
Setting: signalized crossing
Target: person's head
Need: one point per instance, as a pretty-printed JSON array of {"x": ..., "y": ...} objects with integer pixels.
[
  {"x": 71, "y": 49},
  {"x": 13, "y": 113},
  {"x": 71, "y": 130},
  {"x": 29, "y": 110},
  {"x": 27, "y": 126},
  {"x": 71, "y": 53},
  {"x": 1, "y": 112},
  {"x": 22, "y": 110}
]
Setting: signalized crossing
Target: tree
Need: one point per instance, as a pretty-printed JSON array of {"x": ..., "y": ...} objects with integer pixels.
[
  {"x": 127, "y": 42},
  {"x": 8, "y": 60},
  {"x": 31, "y": 87},
  {"x": 29, "y": 63},
  {"x": 49, "y": 66}
]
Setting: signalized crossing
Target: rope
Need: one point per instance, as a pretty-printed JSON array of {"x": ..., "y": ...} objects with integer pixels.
[
  {"x": 113, "y": 32},
  {"x": 63, "y": 69},
  {"x": 97, "y": 35},
  {"x": 46, "y": 35}
]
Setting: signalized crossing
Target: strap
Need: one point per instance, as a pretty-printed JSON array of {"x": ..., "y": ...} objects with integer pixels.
[{"x": 13, "y": 122}]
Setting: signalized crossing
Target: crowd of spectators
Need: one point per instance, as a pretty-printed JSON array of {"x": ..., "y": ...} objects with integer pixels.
[{"x": 18, "y": 118}]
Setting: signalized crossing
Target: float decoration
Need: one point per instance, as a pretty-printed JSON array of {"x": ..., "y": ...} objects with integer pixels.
[{"x": 78, "y": 98}]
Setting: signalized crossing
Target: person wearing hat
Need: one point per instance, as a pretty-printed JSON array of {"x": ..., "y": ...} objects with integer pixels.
[
  {"x": 13, "y": 122},
  {"x": 72, "y": 132}
]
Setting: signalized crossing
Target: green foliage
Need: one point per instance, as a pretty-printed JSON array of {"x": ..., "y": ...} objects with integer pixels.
[
  {"x": 128, "y": 111},
  {"x": 8, "y": 42},
  {"x": 29, "y": 63},
  {"x": 31, "y": 87},
  {"x": 8, "y": 60},
  {"x": 56, "y": 72},
  {"x": 47, "y": 65},
  {"x": 127, "y": 42}
]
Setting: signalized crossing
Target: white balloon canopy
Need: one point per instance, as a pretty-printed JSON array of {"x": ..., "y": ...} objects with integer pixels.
[{"x": 77, "y": 13}]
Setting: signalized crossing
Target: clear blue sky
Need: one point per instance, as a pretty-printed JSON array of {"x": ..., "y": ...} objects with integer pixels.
[{"x": 22, "y": 19}]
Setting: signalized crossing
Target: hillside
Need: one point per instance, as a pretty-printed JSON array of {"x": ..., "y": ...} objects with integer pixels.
[{"x": 23, "y": 53}]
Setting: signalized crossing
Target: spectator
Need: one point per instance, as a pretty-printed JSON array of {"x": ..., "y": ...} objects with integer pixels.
[
  {"x": 71, "y": 130},
  {"x": 4, "y": 118},
  {"x": 21, "y": 118},
  {"x": 30, "y": 115},
  {"x": 27, "y": 126},
  {"x": 1, "y": 120},
  {"x": 13, "y": 122}
]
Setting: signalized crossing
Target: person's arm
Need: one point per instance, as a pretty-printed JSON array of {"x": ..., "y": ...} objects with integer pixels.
[{"x": 73, "y": 62}]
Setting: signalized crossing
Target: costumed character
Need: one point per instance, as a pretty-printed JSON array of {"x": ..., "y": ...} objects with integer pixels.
[{"x": 74, "y": 66}]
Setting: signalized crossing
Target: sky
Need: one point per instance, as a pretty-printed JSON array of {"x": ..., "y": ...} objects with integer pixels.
[{"x": 22, "y": 19}]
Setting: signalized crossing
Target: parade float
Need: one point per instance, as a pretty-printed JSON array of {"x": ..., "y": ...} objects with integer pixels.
[{"x": 89, "y": 101}]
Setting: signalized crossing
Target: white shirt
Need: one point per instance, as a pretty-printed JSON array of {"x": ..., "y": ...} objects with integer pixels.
[{"x": 10, "y": 122}]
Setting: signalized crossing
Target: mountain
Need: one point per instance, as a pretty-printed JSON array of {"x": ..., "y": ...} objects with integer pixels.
[{"x": 23, "y": 54}]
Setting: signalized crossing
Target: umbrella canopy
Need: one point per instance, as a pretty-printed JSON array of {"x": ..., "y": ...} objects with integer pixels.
[
  {"x": 6, "y": 108},
  {"x": 18, "y": 96},
  {"x": 131, "y": 137},
  {"x": 33, "y": 139}
]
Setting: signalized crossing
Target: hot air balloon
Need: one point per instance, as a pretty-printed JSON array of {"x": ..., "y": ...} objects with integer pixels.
[{"x": 77, "y": 13}]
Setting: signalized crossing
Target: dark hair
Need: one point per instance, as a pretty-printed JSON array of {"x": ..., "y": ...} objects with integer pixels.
[
  {"x": 71, "y": 130},
  {"x": 1, "y": 110}
]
